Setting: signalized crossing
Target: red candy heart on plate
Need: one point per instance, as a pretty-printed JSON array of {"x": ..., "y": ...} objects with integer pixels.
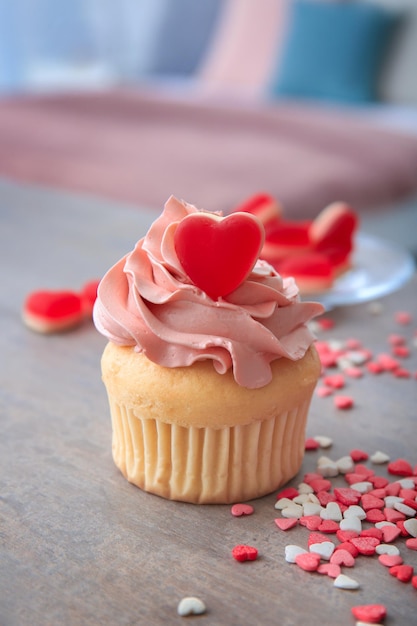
[{"x": 218, "y": 253}]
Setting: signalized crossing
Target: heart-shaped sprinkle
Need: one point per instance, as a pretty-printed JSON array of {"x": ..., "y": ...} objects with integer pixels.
[
  {"x": 387, "y": 549},
  {"x": 379, "y": 458},
  {"x": 410, "y": 526},
  {"x": 285, "y": 524},
  {"x": 411, "y": 543},
  {"x": 390, "y": 533},
  {"x": 400, "y": 467},
  {"x": 191, "y": 606},
  {"x": 292, "y": 551},
  {"x": 369, "y": 613},
  {"x": 216, "y": 253},
  {"x": 324, "y": 549},
  {"x": 343, "y": 557},
  {"x": 243, "y": 553},
  {"x": 311, "y": 522},
  {"x": 345, "y": 582},
  {"x": 330, "y": 569},
  {"x": 308, "y": 561},
  {"x": 238, "y": 510},
  {"x": 390, "y": 560},
  {"x": 365, "y": 545},
  {"x": 328, "y": 526},
  {"x": 351, "y": 523},
  {"x": 354, "y": 510},
  {"x": 404, "y": 573}
]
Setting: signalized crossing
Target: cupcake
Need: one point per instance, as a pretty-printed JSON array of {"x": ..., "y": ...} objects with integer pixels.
[{"x": 210, "y": 365}]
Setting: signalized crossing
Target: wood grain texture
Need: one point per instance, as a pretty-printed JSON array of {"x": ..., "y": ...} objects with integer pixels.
[{"x": 80, "y": 545}]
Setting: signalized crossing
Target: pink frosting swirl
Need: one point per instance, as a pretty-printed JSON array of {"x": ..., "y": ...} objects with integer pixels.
[{"x": 146, "y": 300}]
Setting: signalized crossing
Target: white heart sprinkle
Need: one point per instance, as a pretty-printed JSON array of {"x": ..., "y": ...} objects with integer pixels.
[
  {"x": 311, "y": 508},
  {"x": 404, "y": 509},
  {"x": 332, "y": 511},
  {"x": 328, "y": 469},
  {"x": 301, "y": 499},
  {"x": 387, "y": 548},
  {"x": 282, "y": 503},
  {"x": 357, "y": 357},
  {"x": 379, "y": 457},
  {"x": 384, "y": 523},
  {"x": 351, "y": 523},
  {"x": 362, "y": 487},
  {"x": 191, "y": 606},
  {"x": 325, "y": 549},
  {"x": 323, "y": 441},
  {"x": 304, "y": 488},
  {"x": 292, "y": 551},
  {"x": 391, "y": 501},
  {"x": 345, "y": 582},
  {"x": 293, "y": 511},
  {"x": 356, "y": 511},
  {"x": 411, "y": 526},
  {"x": 345, "y": 464},
  {"x": 406, "y": 483}
]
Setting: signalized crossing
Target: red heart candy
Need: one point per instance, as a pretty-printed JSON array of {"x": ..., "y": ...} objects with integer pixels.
[
  {"x": 244, "y": 553},
  {"x": 216, "y": 253},
  {"x": 400, "y": 467},
  {"x": 404, "y": 573},
  {"x": 370, "y": 613}
]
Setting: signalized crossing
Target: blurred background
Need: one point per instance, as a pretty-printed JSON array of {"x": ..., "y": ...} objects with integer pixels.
[{"x": 298, "y": 71}]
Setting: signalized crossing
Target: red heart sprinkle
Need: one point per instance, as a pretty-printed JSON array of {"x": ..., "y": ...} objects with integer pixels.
[
  {"x": 311, "y": 444},
  {"x": 51, "y": 311},
  {"x": 365, "y": 545},
  {"x": 370, "y": 613},
  {"x": 400, "y": 467},
  {"x": 349, "y": 547},
  {"x": 241, "y": 509},
  {"x": 288, "y": 492},
  {"x": 404, "y": 573},
  {"x": 217, "y": 253},
  {"x": 308, "y": 561},
  {"x": 244, "y": 553},
  {"x": 343, "y": 402},
  {"x": 358, "y": 455}
]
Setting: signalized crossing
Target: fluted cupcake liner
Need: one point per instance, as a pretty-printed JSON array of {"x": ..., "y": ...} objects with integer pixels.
[{"x": 207, "y": 465}]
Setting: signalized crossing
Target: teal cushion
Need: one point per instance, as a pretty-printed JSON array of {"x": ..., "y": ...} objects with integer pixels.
[{"x": 334, "y": 51}]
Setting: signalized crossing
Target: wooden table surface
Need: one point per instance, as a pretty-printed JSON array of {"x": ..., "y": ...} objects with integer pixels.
[{"x": 79, "y": 544}]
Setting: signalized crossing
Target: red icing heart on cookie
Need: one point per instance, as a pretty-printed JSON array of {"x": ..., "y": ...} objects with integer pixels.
[{"x": 218, "y": 253}]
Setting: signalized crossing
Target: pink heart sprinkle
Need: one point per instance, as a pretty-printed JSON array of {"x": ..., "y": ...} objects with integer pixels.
[
  {"x": 343, "y": 402},
  {"x": 331, "y": 569},
  {"x": 389, "y": 560},
  {"x": 241, "y": 509},
  {"x": 284, "y": 523}
]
